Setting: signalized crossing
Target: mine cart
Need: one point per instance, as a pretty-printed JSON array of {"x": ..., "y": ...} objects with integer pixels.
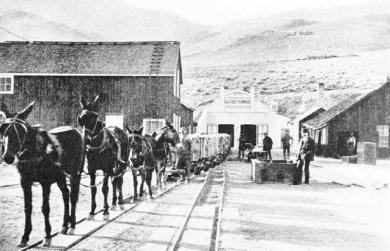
[{"x": 208, "y": 150}]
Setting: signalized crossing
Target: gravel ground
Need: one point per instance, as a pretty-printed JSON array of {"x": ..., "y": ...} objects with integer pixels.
[
  {"x": 12, "y": 208},
  {"x": 320, "y": 216}
]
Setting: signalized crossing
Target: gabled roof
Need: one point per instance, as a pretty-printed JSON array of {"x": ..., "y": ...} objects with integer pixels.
[
  {"x": 90, "y": 58},
  {"x": 187, "y": 106},
  {"x": 312, "y": 112},
  {"x": 340, "y": 108}
]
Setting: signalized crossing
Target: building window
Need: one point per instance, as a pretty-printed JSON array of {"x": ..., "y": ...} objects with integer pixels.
[
  {"x": 6, "y": 84},
  {"x": 261, "y": 131},
  {"x": 114, "y": 120},
  {"x": 150, "y": 125},
  {"x": 212, "y": 129},
  {"x": 383, "y": 136},
  {"x": 176, "y": 122},
  {"x": 324, "y": 136}
]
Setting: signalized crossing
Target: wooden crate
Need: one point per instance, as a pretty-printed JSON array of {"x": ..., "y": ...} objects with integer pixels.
[{"x": 366, "y": 153}]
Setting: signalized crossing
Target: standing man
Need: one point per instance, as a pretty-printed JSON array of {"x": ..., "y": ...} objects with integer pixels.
[
  {"x": 286, "y": 143},
  {"x": 241, "y": 146},
  {"x": 183, "y": 160},
  {"x": 351, "y": 144},
  {"x": 267, "y": 146},
  {"x": 305, "y": 155}
]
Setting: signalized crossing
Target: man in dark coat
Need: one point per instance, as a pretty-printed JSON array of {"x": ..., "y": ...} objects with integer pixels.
[
  {"x": 241, "y": 147},
  {"x": 267, "y": 145},
  {"x": 305, "y": 155}
]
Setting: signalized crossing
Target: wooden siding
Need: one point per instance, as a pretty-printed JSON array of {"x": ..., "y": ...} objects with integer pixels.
[
  {"x": 57, "y": 98},
  {"x": 186, "y": 115},
  {"x": 362, "y": 118}
]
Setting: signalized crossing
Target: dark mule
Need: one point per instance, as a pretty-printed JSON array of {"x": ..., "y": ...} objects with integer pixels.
[
  {"x": 47, "y": 158},
  {"x": 141, "y": 160},
  {"x": 106, "y": 151},
  {"x": 148, "y": 153},
  {"x": 163, "y": 137}
]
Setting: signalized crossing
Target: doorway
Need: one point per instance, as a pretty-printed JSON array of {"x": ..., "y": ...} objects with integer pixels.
[
  {"x": 342, "y": 147},
  {"x": 228, "y": 129},
  {"x": 249, "y": 133}
]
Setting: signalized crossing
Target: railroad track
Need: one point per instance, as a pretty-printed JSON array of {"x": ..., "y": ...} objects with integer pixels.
[
  {"x": 36, "y": 245},
  {"x": 177, "y": 213}
]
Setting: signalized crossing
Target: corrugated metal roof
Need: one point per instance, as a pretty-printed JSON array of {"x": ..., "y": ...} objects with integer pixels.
[
  {"x": 341, "y": 107},
  {"x": 122, "y": 58}
]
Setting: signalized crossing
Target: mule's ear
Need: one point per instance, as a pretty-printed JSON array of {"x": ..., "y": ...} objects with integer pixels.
[
  {"x": 94, "y": 102},
  {"x": 157, "y": 136},
  {"x": 128, "y": 129},
  {"x": 83, "y": 102},
  {"x": 139, "y": 131},
  {"x": 168, "y": 124},
  {"x": 23, "y": 114},
  {"x": 4, "y": 109}
]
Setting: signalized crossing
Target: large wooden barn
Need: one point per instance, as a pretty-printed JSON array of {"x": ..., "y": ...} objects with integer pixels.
[
  {"x": 139, "y": 81},
  {"x": 368, "y": 117}
]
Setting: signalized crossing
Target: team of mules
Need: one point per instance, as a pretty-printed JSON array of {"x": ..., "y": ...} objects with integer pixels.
[{"x": 58, "y": 155}]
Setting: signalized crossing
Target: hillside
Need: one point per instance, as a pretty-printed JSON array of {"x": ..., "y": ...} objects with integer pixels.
[
  {"x": 295, "y": 39},
  {"x": 27, "y": 24},
  {"x": 291, "y": 83},
  {"x": 110, "y": 19}
]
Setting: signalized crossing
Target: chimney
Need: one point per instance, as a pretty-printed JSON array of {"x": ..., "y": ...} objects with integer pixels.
[{"x": 320, "y": 93}]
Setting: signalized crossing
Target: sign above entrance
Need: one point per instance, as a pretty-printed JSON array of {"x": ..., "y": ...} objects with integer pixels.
[{"x": 237, "y": 100}]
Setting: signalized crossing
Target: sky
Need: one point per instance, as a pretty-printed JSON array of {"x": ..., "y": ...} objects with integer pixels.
[{"x": 213, "y": 12}]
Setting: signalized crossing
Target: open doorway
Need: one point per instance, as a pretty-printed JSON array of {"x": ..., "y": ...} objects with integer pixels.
[
  {"x": 228, "y": 129},
  {"x": 249, "y": 133},
  {"x": 342, "y": 146}
]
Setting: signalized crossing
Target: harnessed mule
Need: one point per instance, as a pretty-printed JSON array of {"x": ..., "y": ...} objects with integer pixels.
[
  {"x": 106, "y": 151},
  {"x": 148, "y": 153},
  {"x": 163, "y": 137},
  {"x": 47, "y": 158},
  {"x": 141, "y": 160}
]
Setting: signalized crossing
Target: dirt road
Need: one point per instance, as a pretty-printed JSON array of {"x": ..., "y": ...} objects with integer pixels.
[{"x": 319, "y": 216}]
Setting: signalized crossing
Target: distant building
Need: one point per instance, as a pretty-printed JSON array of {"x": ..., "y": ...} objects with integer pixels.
[
  {"x": 236, "y": 112},
  {"x": 297, "y": 125},
  {"x": 140, "y": 82},
  {"x": 368, "y": 117}
]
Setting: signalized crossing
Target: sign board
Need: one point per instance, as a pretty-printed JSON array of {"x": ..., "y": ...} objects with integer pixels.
[{"x": 237, "y": 100}]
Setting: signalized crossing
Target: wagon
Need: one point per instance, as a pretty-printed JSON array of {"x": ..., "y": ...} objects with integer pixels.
[{"x": 208, "y": 150}]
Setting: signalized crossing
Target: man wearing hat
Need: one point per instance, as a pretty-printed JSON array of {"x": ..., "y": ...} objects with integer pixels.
[
  {"x": 305, "y": 155},
  {"x": 267, "y": 145}
]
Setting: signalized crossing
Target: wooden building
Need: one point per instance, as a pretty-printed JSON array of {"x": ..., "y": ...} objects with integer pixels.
[
  {"x": 297, "y": 125},
  {"x": 238, "y": 113},
  {"x": 139, "y": 82},
  {"x": 368, "y": 117}
]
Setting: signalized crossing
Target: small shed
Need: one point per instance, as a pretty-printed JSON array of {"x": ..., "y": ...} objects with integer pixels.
[{"x": 367, "y": 116}]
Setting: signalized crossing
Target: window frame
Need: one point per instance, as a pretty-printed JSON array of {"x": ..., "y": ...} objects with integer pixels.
[
  {"x": 6, "y": 76},
  {"x": 259, "y": 141},
  {"x": 383, "y": 136},
  {"x": 147, "y": 129},
  {"x": 114, "y": 115},
  {"x": 213, "y": 126}
]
